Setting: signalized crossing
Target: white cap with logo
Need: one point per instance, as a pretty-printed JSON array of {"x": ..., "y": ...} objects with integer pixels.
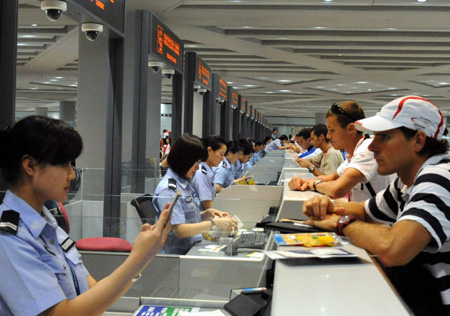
[{"x": 410, "y": 111}]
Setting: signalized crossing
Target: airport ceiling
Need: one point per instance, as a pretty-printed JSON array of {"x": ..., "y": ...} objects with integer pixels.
[{"x": 289, "y": 58}]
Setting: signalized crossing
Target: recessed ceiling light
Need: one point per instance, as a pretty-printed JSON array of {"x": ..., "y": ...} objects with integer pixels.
[
  {"x": 422, "y": 0},
  {"x": 33, "y": 24}
]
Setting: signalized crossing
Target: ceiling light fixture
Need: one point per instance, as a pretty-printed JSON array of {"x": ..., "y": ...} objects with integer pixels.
[{"x": 422, "y": 0}]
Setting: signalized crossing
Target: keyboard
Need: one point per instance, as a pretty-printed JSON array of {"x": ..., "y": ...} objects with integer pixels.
[{"x": 255, "y": 240}]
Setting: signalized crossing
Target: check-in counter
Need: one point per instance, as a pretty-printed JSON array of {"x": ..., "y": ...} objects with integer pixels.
[
  {"x": 288, "y": 173},
  {"x": 276, "y": 153},
  {"x": 292, "y": 202},
  {"x": 334, "y": 287},
  {"x": 249, "y": 202},
  {"x": 289, "y": 163}
]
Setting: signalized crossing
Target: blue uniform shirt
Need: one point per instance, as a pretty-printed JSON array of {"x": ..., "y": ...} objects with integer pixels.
[
  {"x": 238, "y": 169},
  {"x": 35, "y": 272},
  {"x": 224, "y": 173},
  {"x": 185, "y": 210},
  {"x": 203, "y": 185}
]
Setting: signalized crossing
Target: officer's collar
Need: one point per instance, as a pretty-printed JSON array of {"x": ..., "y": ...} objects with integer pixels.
[
  {"x": 183, "y": 183},
  {"x": 29, "y": 216}
]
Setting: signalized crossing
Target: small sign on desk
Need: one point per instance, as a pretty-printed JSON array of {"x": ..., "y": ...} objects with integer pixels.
[{"x": 150, "y": 310}]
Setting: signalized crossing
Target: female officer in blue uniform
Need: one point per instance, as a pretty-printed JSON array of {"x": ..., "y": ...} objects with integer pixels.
[
  {"x": 187, "y": 220},
  {"x": 224, "y": 174},
  {"x": 244, "y": 157},
  {"x": 203, "y": 181},
  {"x": 41, "y": 271}
]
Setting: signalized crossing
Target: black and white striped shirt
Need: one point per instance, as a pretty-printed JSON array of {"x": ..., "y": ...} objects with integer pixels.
[{"x": 427, "y": 202}]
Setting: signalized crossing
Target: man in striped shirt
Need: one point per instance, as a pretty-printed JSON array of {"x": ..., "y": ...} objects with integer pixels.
[{"x": 407, "y": 226}]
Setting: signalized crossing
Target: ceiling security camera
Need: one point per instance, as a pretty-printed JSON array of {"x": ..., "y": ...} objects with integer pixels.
[
  {"x": 53, "y": 8},
  {"x": 91, "y": 30},
  {"x": 168, "y": 73},
  {"x": 197, "y": 87},
  {"x": 202, "y": 91},
  {"x": 155, "y": 65},
  {"x": 220, "y": 101}
]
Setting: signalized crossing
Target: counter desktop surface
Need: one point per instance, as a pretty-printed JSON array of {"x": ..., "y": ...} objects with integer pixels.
[{"x": 334, "y": 287}]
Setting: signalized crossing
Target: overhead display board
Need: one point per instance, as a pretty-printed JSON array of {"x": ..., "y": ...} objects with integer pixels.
[
  {"x": 111, "y": 12},
  {"x": 243, "y": 106},
  {"x": 223, "y": 88},
  {"x": 165, "y": 45},
  {"x": 253, "y": 113},
  {"x": 203, "y": 73},
  {"x": 234, "y": 102}
]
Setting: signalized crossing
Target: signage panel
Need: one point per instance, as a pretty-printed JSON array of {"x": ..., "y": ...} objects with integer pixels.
[
  {"x": 249, "y": 110},
  {"x": 243, "y": 105},
  {"x": 203, "y": 73},
  {"x": 166, "y": 45},
  {"x": 234, "y": 104},
  {"x": 223, "y": 88}
]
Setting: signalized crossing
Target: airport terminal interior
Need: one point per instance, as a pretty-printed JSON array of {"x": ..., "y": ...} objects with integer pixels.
[{"x": 123, "y": 71}]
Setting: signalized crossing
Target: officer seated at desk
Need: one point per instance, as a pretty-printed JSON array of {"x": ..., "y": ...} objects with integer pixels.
[{"x": 187, "y": 221}]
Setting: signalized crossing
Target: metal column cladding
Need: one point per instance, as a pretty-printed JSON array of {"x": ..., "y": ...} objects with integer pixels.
[{"x": 8, "y": 61}]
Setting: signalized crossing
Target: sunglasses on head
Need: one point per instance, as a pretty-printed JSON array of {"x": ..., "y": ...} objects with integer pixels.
[{"x": 336, "y": 109}]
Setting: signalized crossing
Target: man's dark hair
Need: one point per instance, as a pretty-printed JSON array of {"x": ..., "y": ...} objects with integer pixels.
[
  {"x": 320, "y": 129},
  {"x": 274, "y": 130},
  {"x": 432, "y": 145},
  {"x": 346, "y": 112},
  {"x": 305, "y": 133},
  {"x": 187, "y": 150},
  {"x": 258, "y": 143},
  {"x": 283, "y": 137}
]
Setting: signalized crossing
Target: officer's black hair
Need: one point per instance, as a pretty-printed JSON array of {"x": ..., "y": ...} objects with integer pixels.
[
  {"x": 247, "y": 147},
  {"x": 283, "y": 137},
  {"x": 233, "y": 146},
  {"x": 258, "y": 143},
  {"x": 47, "y": 140},
  {"x": 187, "y": 150},
  {"x": 266, "y": 140},
  {"x": 215, "y": 142}
]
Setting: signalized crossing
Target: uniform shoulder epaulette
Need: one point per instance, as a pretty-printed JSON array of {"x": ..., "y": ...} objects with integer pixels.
[
  {"x": 172, "y": 184},
  {"x": 67, "y": 244},
  {"x": 224, "y": 165},
  {"x": 204, "y": 170},
  {"x": 9, "y": 222}
]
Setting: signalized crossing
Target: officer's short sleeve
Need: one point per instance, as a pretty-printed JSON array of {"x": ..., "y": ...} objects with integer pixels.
[
  {"x": 220, "y": 176},
  {"x": 29, "y": 284},
  {"x": 202, "y": 186},
  {"x": 163, "y": 198}
]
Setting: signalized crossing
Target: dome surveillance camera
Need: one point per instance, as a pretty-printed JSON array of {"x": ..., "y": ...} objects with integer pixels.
[
  {"x": 202, "y": 91},
  {"x": 168, "y": 73},
  {"x": 53, "y": 8},
  {"x": 220, "y": 101},
  {"x": 155, "y": 65},
  {"x": 197, "y": 87},
  {"x": 91, "y": 30}
]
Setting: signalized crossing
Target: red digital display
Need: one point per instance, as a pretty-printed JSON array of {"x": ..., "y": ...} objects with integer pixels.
[
  {"x": 243, "y": 105},
  {"x": 203, "y": 76},
  {"x": 249, "y": 110},
  {"x": 234, "y": 104},
  {"x": 166, "y": 45},
  {"x": 253, "y": 113},
  {"x": 223, "y": 88}
]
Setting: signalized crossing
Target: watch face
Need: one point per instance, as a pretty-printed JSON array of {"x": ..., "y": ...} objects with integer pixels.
[{"x": 344, "y": 219}]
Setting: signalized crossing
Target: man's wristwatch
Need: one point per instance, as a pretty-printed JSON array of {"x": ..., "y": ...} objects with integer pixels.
[
  {"x": 343, "y": 222},
  {"x": 311, "y": 169},
  {"x": 316, "y": 183},
  {"x": 213, "y": 224}
]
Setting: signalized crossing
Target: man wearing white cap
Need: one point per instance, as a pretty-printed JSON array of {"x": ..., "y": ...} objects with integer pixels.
[{"x": 407, "y": 226}]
